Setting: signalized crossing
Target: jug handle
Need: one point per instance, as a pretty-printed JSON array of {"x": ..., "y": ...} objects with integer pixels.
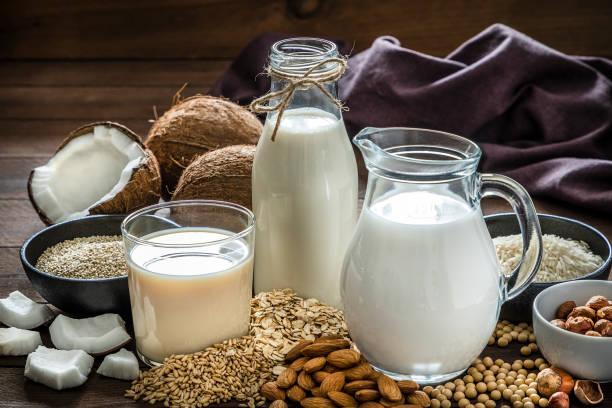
[{"x": 511, "y": 191}]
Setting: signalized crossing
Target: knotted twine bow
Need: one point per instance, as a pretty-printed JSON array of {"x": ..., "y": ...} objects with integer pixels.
[{"x": 261, "y": 104}]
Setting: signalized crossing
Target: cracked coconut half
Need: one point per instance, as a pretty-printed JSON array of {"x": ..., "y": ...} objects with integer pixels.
[{"x": 101, "y": 168}]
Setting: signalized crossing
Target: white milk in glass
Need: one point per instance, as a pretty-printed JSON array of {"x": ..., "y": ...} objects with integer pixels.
[
  {"x": 187, "y": 298},
  {"x": 305, "y": 203},
  {"x": 426, "y": 288}
]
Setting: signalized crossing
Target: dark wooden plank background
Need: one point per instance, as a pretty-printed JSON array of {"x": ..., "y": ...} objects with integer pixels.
[{"x": 65, "y": 63}]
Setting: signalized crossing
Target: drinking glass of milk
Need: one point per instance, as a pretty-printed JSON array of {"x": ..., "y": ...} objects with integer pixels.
[
  {"x": 421, "y": 284},
  {"x": 190, "y": 275}
]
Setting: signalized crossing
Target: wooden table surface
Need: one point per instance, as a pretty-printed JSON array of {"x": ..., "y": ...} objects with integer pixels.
[{"x": 40, "y": 103}]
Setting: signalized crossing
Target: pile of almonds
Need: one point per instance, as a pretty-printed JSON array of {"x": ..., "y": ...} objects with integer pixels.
[
  {"x": 592, "y": 319},
  {"x": 326, "y": 373}
]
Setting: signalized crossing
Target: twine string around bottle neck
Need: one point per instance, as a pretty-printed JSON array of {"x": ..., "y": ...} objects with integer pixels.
[{"x": 262, "y": 104}]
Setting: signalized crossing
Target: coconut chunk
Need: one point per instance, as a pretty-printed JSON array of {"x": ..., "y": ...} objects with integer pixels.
[
  {"x": 95, "y": 335},
  {"x": 18, "y": 342},
  {"x": 101, "y": 168},
  {"x": 58, "y": 369},
  {"x": 18, "y": 310},
  {"x": 122, "y": 365}
]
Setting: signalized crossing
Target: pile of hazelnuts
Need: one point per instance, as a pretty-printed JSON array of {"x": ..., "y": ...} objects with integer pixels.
[{"x": 592, "y": 319}]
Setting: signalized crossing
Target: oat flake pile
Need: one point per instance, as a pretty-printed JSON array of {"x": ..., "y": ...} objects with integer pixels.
[{"x": 236, "y": 368}]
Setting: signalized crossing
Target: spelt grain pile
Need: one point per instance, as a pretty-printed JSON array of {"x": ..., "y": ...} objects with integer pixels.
[
  {"x": 236, "y": 369},
  {"x": 563, "y": 258},
  {"x": 98, "y": 256}
]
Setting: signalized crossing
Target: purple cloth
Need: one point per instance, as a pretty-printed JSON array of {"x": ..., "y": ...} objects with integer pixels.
[{"x": 541, "y": 117}]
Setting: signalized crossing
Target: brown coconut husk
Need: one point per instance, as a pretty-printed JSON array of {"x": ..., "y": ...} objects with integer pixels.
[
  {"x": 194, "y": 126},
  {"x": 143, "y": 189},
  {"x": 223, "y": 174}
]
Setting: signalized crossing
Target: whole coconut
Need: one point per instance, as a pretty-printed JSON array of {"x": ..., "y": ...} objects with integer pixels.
[
  {"x": 195, "y": 126},
  {"x": 223, "y": 174}
]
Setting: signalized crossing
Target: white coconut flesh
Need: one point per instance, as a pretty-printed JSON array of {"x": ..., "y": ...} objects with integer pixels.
[
  {"x": 88, "y": 170},
  {"x": 121, "y": 365},
  {"x": 95, "y": 335},
  {"x": 58, "y": 369},
  {"x": 18, "y": 310},
  {"x": 18, "y": 342}
]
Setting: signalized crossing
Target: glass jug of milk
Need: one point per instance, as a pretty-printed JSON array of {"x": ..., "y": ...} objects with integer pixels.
[{"x": 421, "y": 284}]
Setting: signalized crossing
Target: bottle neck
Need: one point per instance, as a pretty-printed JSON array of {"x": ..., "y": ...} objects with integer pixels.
[{"x": 311, "y": 97}]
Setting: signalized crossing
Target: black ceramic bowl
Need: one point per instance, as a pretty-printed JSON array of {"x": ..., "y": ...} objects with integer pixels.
[
  {"x": 519, "y": 309},
  {"x": 77, "y": 296}
]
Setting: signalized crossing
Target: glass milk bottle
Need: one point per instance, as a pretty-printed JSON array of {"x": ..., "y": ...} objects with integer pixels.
[{"x": 304, "y": 174}]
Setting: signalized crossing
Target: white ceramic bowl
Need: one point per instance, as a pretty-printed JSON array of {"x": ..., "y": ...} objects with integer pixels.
[{"x": 583, "y": 356}]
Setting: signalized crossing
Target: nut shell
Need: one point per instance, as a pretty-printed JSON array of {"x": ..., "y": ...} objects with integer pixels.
[
  {"x": 579, "y": 324},
  {"x": 597, "y": 302},
  {"x": 588, "y": 392},
  {"x": 560, "y": 323},
  {"x": 583, "y": 311},
  {"x": 565, "y": 309},
  {"x": 558, "y": 400},
  {"x": 605, "y": 313}
]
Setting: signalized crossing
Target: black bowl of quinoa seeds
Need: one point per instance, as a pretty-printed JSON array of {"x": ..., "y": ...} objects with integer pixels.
[{"x": 79, "y": 266}]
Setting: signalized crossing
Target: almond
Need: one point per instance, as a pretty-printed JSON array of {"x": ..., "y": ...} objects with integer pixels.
[
  {"x": 388, "y": 389},
  {"x": 278, "y": 404},
  {"x": 358, "y": 372},
  {"x": 333, "y": 382},
  {"x": 344, "y": 358},
  {"x": 355, "y": 386},
  {"x": 371, "y": 404},
  {"x": 328, "y": 337},
  {"x": 317, "y": 402},
  {"x": 387, "y": 403},
  {"x": 296, "y": 351},
  {"x": 296, "y": 394},
  {"x": 367, "y": 395},
  {"x": 319, "y": 376},
  {"x": 330, "y": 369},
  {"x": 342, "y": 399},
  {"x": 271, "y": 392},
  {"x": 407, "y": 386},
  {"x": 287, "y": 378},
  {"x": 305, "y": 381},
  {"x": 298, "y": 364},
  {"x": 314, "y": 364},
  {"x": 324, "y": 348},
  {"x": 316, "y": 392},
  {"x": 419, "y": 398},
  {"x": 373, "y": 375}
]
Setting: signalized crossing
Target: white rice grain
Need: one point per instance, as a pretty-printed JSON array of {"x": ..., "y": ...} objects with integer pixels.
[{"x": 563, "y": 258}]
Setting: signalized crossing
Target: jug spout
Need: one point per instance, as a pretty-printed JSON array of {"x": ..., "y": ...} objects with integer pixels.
[{"x": 419, "y": 154}]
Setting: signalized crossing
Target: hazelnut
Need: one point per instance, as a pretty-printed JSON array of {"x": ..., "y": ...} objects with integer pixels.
[
  {"x": 597, "y": 302},
  {"x": 603, "y": 327},
  {"x": 565, "y": 309},
  {"x": 560, "y": 323},
  {"x": 558, "y": 400},
  {"x": 552, "y": 380},
  {"x": 579, "y": 324},
  {"x": 592, "y": 333},
  {"x": 583, "y": 311},
  {"x": 588, "y": 392},
  {"x": 605, "y": 313}
]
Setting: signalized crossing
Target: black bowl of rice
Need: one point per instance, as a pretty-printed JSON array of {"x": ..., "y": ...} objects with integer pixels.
[{"x": 572, "y": 251}]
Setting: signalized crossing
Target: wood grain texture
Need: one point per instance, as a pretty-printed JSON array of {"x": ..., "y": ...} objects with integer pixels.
[
  {"x": 169, "y": 74},
  {"x": 18, "y": 222},
  {"x": 40, "y": 137},
  {"x": 12, "y": 276},
  {"x": 219, "y": 29}
]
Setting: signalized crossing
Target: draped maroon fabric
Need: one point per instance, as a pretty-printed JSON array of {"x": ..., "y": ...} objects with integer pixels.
[{"x": 540, "y": 116}]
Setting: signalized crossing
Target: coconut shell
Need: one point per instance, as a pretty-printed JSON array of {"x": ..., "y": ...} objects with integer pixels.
[
  {"x": 194, "y": 126},
  {"x": 144, "y": 187},
  {"x": 223, "y": 174}
]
